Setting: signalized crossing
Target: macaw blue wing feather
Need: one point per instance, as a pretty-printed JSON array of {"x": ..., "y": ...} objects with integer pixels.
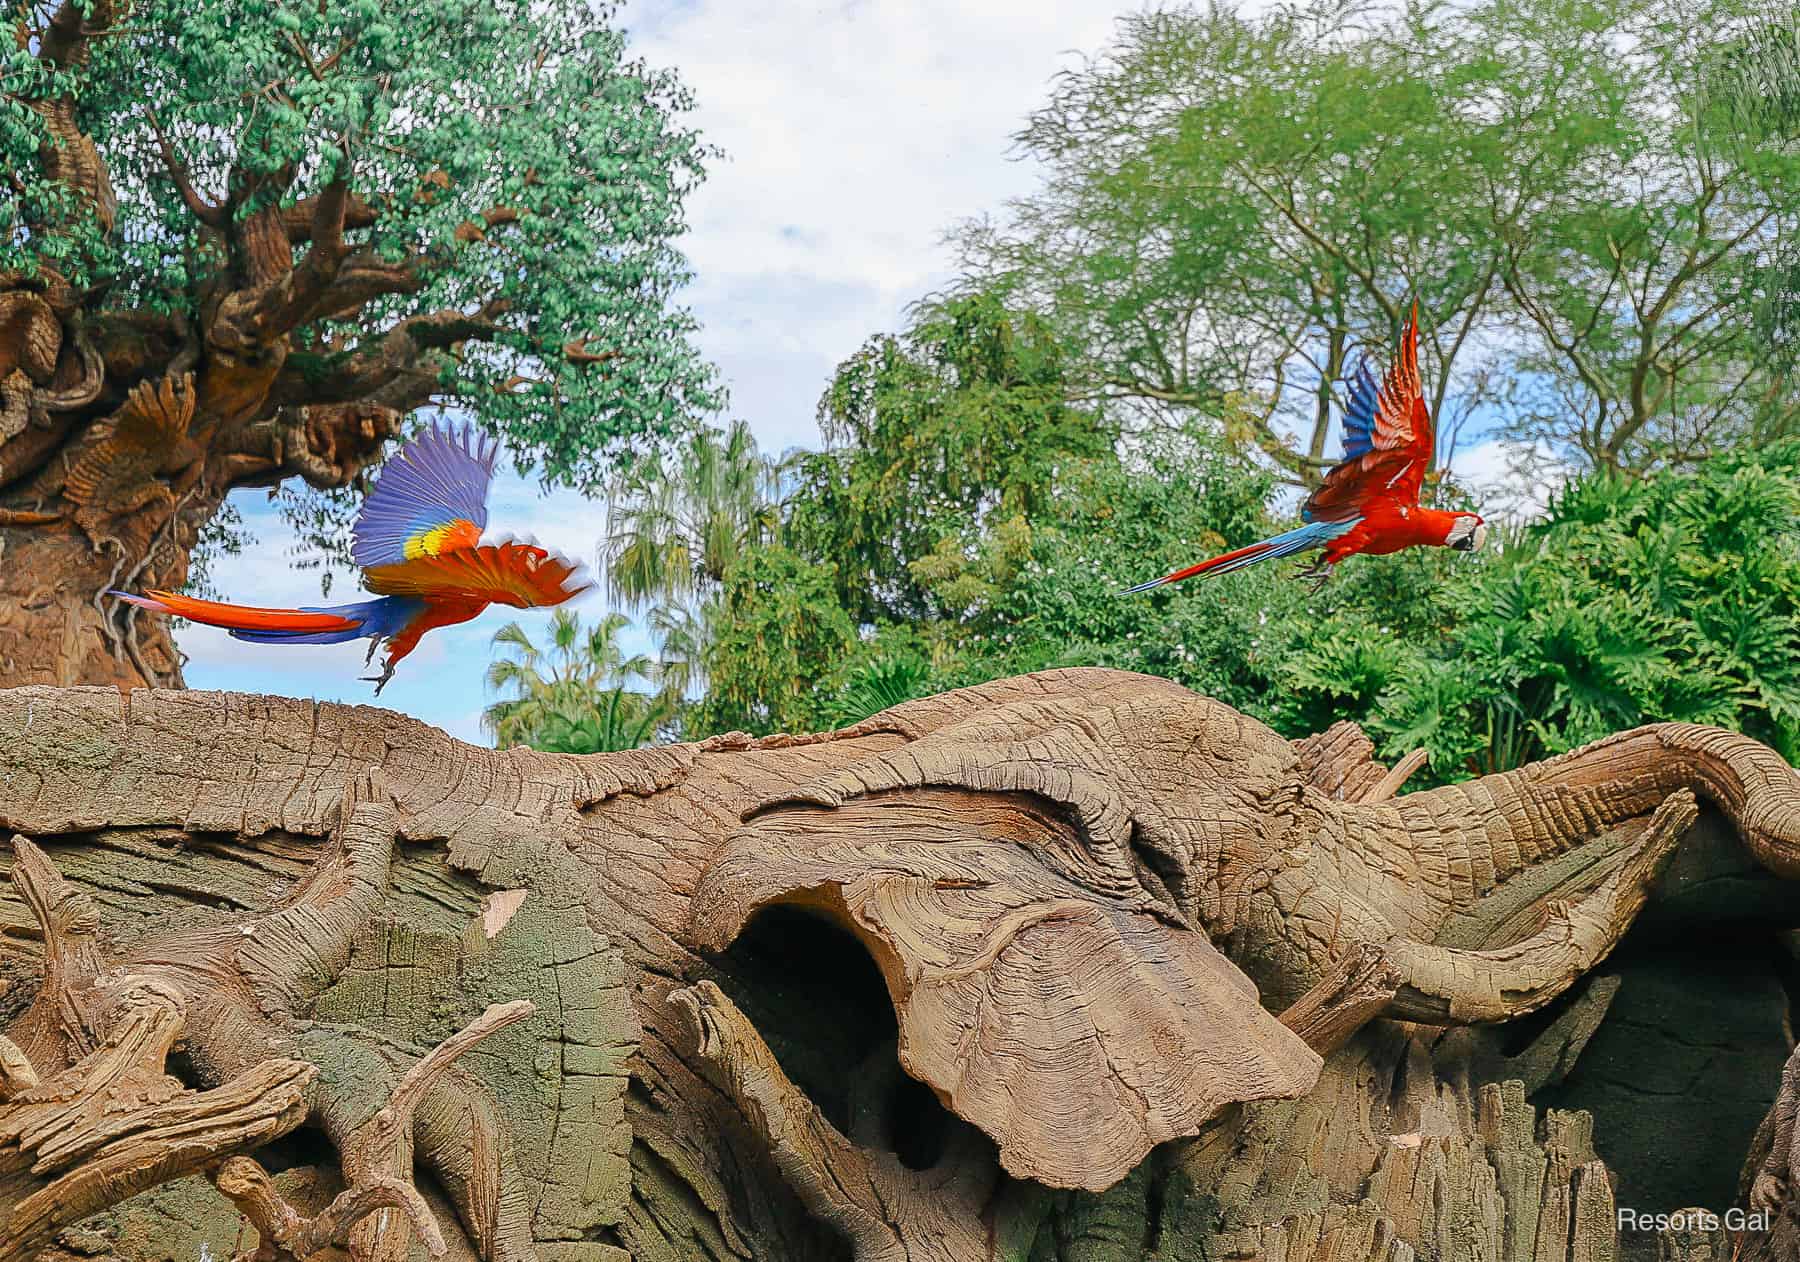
[
  {"x": 436, "y": 482},
  {"x": 1359, "y": 413}
]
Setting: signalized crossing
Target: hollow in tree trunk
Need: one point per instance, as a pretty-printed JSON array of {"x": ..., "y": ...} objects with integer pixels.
[{"x": 1074, "y": 966}]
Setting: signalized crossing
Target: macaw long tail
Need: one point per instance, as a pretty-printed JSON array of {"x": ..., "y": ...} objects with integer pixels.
[
  {"x": 297, "y": 637},
  {"x": 1314, "y": 534},
  {"x": 264, "y": 626}
]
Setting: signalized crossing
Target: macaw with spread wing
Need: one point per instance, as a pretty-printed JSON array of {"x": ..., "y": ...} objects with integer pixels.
[
  {"x": 418, "y": 543},
  {"x": 1369, "y": 501}
]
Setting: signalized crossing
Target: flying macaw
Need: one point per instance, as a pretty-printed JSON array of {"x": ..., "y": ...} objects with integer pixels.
[
  {"x": 1369, "y": 501},
  {"x": 418, "y": 543}
]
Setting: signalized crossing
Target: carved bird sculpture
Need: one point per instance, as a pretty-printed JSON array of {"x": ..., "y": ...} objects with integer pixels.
[
  {"x": 115, "y": 478},
  {"x": 418, "y": 543},
  {"x": 1369, "y": 502}
]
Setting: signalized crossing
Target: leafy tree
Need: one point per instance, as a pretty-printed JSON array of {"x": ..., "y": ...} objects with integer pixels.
[
  {"x": 617, "y": 719},
  {"x": 964, "y": 416},
  {"x": 1233, "y": 203},
  {"x": 1641, "y": 277},
  {"x": 682, "y": 639},
  {"x": 676, "y": 522},
  {"x": 1750, "y": 103},
  {"x": 777, "y": 630},
  {"x": 935, "y": 438},
  {"x": 575, "y": 695},
  {"x": 1050, "y": 595},
  {"x": 327, "y": 215}
]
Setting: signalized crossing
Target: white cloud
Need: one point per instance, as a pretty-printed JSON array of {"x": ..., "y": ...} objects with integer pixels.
[
  {"x": 856, "y": 134},
  {"x": 1512, "y": 479}
]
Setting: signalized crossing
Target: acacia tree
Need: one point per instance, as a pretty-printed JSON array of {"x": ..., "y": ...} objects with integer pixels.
[
  {"x": 1640, "y": 275},
  {"x": 1233, "y": 204},
  {"x": 241, "y": 243},
  {"x": 1751, "y": 104}
]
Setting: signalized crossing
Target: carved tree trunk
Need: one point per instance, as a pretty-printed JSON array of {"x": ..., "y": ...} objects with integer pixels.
[
  {"x": 130, "y": 407},
  {"x": 972, "y": 980},
  {"x": 55, "y": 627},
  {"x": 118, "y": 443}
]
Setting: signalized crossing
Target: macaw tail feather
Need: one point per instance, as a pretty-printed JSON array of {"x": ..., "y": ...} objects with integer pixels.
[
  {"x": 261, "y": 636},
  {"x": 1314, "y": 534},
  {"x": 266, "y": 626}
]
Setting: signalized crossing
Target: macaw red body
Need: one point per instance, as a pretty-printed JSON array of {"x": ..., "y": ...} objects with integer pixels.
[
  {"x": 1369, "y": 502},
  {"x": 418, "y": 541}
]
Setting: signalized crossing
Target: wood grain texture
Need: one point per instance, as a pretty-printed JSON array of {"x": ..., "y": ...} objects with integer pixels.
[
  {"x": 1085, "y": 892},
  {"x": 100, "y": 1119}
]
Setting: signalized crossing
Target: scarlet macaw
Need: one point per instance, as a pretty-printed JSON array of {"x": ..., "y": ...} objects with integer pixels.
[
  {"x": 418, "y": 543},
  {"x": 1369, "y": 501}
]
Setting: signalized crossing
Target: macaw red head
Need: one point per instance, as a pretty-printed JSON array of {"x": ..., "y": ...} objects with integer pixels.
[{"x": 1467, "y": 532}]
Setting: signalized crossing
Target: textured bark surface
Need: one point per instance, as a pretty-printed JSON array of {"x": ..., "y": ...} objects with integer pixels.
[
  {"x": 124, "y": 424},
  {"x": 121, "y": 434},
  {"x": 54, "y": 628},
  {"x": 1071, "y": 966}
]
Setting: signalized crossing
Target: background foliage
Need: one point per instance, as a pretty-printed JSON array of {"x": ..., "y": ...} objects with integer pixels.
[
  {"x": 1674, "y": 596},
  {"x": 1143, "y": 359},
  {"x": 575, "y": 695}
]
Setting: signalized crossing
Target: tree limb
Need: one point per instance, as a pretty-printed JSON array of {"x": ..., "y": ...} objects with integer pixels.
[
  {"x": 114, "y": 1123},
  {"x": 68, "y": 33},
  {"x": 380, "y": 1152},
  {"x": 206, "y": 212},
  {"x": 283, "y": 305},
  {"x": 287, "y": 1235},
  {"x": 1358, "y": 989}
]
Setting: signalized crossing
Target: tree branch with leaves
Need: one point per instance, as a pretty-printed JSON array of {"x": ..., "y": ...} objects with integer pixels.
[{"x": 327, "y": 217}]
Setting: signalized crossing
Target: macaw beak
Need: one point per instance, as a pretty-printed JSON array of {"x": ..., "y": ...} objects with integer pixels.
[{"x": 1472, "y": 540}]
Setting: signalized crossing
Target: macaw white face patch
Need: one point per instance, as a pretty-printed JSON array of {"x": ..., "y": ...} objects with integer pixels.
[{"x": 1467, "y": 533}]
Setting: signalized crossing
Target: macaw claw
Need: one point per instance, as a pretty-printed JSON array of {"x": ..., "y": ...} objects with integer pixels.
[
  {"x": 417, "y": 541},
  {"x": 1319, "y": 572}
]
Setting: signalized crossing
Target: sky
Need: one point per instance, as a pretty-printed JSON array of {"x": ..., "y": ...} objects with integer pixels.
[{"x": 855, "y": 134}]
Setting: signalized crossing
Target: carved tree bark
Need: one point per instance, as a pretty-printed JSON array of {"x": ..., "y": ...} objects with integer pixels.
[
  {"x": 290, "y": 344},
  {"x": 1071, "y": 966}
]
